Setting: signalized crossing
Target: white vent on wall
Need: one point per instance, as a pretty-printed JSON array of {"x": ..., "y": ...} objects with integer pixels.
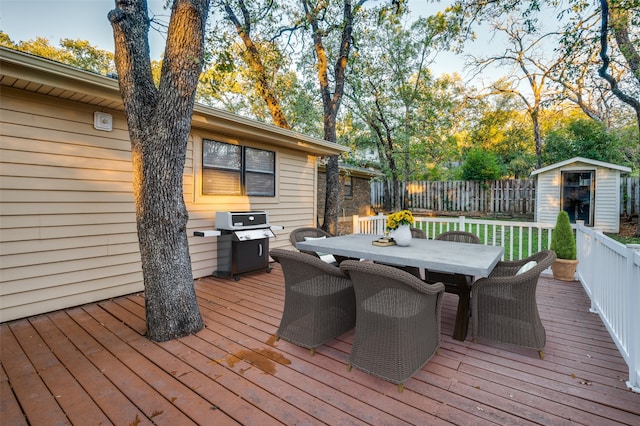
[{"x": 102, "y": 121}]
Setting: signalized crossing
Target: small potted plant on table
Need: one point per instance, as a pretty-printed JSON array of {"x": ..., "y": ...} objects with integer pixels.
[
  {"x": 399, "y": 224},
  {"x": 563, "y": 242}
]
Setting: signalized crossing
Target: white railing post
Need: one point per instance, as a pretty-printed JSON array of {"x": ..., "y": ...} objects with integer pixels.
[
  {"x": 356, "y": 224},
  {"x": 461, "y": 223},
  {"x": 633, "y": 317}
]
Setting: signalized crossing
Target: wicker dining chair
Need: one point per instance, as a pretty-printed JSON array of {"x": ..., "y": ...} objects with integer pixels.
[
  {"x": 301, "y": 234},
  {"x": 397, "y": 321},
  {"x": 459, "y": 237},
  {"x": 418, "y": 233},
  {"x": 504, "y": 304},
  {"x": 458, "y": 284},
  {"x": 319, "y": 301}
]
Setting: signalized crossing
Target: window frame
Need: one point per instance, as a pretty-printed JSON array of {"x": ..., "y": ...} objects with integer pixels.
[
  {"x": 348, "y": 186},
  {"x": 243, "y": 171}
]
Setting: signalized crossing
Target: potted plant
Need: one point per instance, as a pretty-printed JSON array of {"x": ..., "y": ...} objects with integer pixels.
[
  {"x": 563, "y": 242},
  {"x": 399, "y": 223}
]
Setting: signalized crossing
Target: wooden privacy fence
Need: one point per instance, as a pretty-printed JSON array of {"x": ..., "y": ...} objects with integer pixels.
[
  {"x": 499, "y": 196},
  {"x": 514, "y": 196},
  {"x": 630, "y": 196}
]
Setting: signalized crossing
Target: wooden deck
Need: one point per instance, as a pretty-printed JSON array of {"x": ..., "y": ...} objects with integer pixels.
[{"x": 91, "y": 365}]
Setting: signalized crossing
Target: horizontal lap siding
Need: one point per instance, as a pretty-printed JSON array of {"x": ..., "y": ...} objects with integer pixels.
[
  {"x": 292, "y": 207},
  {"x": 607, "y": 200},
  {"x": 67, "y": 232},
  {"x": 548, "y": 196},
  {"x": 67, "y": 217},
  {"x": 297, "y": 195}
]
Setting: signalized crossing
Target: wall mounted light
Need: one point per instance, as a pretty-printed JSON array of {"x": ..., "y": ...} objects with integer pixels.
[{"x": 102, "y": 121}]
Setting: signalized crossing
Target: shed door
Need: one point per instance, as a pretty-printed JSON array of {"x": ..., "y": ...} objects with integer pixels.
[{"x": 578, "y": 190}]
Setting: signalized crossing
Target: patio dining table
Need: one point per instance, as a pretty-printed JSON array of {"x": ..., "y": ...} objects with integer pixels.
[{"x": 474, "y": 260}]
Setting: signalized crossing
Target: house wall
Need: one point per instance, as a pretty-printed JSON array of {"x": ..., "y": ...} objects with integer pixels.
[
  {"x": 359, "y": 203},
  {"x": 607, "y": 196},
  {"x": 67, "y": 217}
]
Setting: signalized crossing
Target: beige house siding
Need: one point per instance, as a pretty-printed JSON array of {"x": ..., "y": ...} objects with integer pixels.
[
  {"x": 291, "y": 208},
  {"x": 67, "y": 217},
  {"x": 67, "y": 232}
]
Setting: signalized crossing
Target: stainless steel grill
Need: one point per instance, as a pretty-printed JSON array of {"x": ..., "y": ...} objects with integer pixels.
[{"x": 243, "y": 244}]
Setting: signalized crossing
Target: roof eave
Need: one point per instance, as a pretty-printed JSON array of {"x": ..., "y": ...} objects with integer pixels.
[
  {"x": 598, "y": 163},
  {"x": 22, "y": 70}
]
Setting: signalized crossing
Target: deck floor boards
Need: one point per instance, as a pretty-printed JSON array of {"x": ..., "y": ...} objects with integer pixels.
[{"x": 93, "y": 365}]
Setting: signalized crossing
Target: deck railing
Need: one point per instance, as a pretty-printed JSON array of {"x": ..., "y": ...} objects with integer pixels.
[
  {"x": 609, "y": 271},
  {"x": 519, "y": 239},
  {"x": 610, "y": 274}
]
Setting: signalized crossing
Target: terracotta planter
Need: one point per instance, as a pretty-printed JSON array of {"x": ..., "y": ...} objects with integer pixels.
[{"x": 564, "y": 269}]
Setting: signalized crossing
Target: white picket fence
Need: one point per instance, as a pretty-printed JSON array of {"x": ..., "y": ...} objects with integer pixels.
[
  {"x": 609, "y": 271},
  {"x": 610, "y": 274}
]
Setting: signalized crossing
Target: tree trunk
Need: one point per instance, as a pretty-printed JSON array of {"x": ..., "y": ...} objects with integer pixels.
[
  {"x": 254, "y": 62},
  {"x": 332, "y": 197},
  {"x": 537, "y": 136},
  {"x": 331, "y": 100},
  {"x": 159, "y": 122}
]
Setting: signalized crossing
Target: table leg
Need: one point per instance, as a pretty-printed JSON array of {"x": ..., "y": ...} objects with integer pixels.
[
  {"x": 460, "y": 285},
  {"x": 462, "y": 316}
]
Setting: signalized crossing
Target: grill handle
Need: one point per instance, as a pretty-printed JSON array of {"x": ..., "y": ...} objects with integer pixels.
[{"x": 260, "y": 250}]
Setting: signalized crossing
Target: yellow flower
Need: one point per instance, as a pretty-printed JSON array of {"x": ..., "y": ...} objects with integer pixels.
[{"x": 396, "y": 219}]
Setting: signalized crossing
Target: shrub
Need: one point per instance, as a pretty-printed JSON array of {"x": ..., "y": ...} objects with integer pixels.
[
  {"x": 481, "y": 165},
  {"x": 563, "y": 242}
]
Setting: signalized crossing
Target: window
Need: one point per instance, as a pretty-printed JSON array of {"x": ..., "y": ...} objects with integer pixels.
[
  {"x": 348, "y": 187},
  {"x": 229, "y": 169}
]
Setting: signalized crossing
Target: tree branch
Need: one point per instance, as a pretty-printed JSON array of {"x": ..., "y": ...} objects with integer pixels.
[{"x": 602, "y": 71}]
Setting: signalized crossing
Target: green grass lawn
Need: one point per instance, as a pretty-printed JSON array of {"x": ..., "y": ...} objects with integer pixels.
[
  {"x": 624, "y": 239},
  {"x": 522, "y": 244}
]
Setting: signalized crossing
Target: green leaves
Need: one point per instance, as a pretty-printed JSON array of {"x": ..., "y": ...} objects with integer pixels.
[{"x": 563, "y": 242}]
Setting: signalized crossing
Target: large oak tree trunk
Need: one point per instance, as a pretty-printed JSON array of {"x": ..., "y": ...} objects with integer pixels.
[
  {"x": 159, "y": 121},
  {"x": 331, "y": 99}
]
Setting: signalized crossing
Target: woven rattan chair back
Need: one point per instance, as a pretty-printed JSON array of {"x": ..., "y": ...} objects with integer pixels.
[
  {"x": 459, "y": 237},
  {"x": 504, "y": 304},
  {"x": 418, "y": 233},
  {"x": 299, "y": 234},
  {"x": 397, "y": 320},
  {"x": 319, "y": 301},
  {"x": 454, "y": 283}
]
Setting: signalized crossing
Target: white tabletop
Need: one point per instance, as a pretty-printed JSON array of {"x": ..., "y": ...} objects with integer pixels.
[{"x": 469, "y": 259}]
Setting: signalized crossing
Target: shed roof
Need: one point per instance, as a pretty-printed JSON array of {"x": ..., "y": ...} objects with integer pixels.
[
  {"x": 40, "y": 75},
  {"x": 581, "y": 160}
]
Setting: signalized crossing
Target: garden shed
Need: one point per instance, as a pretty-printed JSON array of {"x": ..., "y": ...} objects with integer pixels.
[
  {"x": 67, "y": 219},
  {"x": 586, "y": 189}
]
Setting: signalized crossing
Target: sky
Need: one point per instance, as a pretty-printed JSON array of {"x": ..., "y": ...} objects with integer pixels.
[{"x": 25, "y": 20}]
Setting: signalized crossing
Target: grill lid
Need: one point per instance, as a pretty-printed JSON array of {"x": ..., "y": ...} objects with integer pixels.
[{"x": 234, "y": 221}]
